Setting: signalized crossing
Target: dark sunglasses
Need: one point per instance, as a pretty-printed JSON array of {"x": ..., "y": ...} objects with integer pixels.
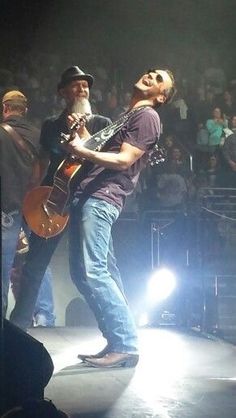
[{"x": 159, "y": 78}]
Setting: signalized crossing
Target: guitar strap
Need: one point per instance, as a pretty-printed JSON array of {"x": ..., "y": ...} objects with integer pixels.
[
  {"x": 19, "y": 141},
  {"x": 98, "y": 140},
  {"x": 23, "y": 146}
]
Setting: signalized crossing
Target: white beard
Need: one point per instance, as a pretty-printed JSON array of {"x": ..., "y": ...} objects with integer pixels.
[{"x": 82, "y": 105}]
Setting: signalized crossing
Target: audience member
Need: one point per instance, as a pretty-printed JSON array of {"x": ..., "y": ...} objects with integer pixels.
[
  {"x": 168, "y": 142},
  {"x": 210, "y": 176},
  {"x": 229, "y": 153},
  {"x": 177, "y": 163},
  {"x": 233, "y": 124},
  {"x": 227, "y": 105},
  {"x": 215, "y": 127}
]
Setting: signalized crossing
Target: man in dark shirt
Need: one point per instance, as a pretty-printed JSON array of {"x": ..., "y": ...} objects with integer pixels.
[
  {"x": 74, "y": 87},
  {"x": 99, "y": 198},
  {"x": 19, "y": 173},
  {"x": 16, "y": 176}
]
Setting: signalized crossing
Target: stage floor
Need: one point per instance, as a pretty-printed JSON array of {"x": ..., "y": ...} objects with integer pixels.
[{"x": 180, "y": 374}]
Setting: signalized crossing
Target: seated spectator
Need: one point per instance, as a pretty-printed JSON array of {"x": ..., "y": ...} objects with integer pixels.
[
  {"x": 227, "y": 105},
  {"x": 168, "y": 144},
  {"x": 35, "y": 409},
  {"x": 211, "y": 176},
  {"x": 177, "y": 163},
  {"x": 215, "y": 127}
]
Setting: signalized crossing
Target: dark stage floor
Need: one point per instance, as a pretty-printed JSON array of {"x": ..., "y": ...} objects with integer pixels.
[{"x": 180, "y": 374}]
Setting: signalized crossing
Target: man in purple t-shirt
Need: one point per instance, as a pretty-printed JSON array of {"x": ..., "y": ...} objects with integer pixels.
[{"x": 108, "y": 177}]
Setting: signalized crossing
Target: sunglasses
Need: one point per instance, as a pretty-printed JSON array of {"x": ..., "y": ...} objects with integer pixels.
[{"x": 159, "y": 78}]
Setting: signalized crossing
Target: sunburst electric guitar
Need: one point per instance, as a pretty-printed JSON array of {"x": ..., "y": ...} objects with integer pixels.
[{"x": 45, "y": 208}]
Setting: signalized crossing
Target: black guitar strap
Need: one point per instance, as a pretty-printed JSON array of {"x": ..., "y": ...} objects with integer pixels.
[
  {"x": 98, "y": 140},
  {"x": 19, "y": 141}
]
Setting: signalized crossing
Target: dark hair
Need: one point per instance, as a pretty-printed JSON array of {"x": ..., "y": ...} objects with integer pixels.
[
  {"x": 168, "y": 93},
  {"x": 171, "y": 92},
  {"x": 35, "y": 409}
]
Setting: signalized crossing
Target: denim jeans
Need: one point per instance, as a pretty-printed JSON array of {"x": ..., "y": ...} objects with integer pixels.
[
  {"x": 10, "y": 235},
  {"x": 35, "y": 267},
  {"x": 44, "y": 304},
  {"x": 95, "y": 273},
  {"x": 44, "y": 307}
]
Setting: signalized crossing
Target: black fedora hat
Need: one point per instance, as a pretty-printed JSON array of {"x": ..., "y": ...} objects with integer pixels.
[{"x": 74, "y": 73}]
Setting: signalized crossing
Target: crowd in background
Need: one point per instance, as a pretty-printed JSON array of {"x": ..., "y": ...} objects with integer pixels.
[{"x": 194, "y": 126}]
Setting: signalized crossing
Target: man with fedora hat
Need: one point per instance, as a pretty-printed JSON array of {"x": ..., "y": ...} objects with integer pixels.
[
  {"x": 74, "y": 87},
  {"x": 74, "y": 73}
]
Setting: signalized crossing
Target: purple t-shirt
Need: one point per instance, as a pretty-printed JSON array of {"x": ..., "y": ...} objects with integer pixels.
[{"x": 142, "y": 130}]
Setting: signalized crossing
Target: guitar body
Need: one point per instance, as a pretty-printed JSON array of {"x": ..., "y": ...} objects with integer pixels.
[{"x": 44, "y": 223}]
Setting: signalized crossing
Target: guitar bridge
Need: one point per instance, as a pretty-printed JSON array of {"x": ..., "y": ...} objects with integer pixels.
[{"x": 45, "y": 208}]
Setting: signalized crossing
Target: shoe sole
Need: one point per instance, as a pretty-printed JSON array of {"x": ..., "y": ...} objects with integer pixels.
[{"x": 128, "y": 363}]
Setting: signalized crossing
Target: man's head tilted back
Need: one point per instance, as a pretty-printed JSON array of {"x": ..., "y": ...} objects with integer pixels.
[{"x": 156, "y": 86}]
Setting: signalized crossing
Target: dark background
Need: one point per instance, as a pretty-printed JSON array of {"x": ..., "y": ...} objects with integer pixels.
[{"x": 127, "y": 36}]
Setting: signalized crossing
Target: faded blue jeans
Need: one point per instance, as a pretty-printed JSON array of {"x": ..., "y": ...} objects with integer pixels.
[
  {"x": 44, "y": 305},
  {"x": 95, "y": 273},
  {"x": 44, "y": 308},
  {"x": 10, "y": 234}
]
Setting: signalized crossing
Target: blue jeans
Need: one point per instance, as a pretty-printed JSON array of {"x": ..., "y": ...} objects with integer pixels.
[
  {"x": 9, "y": 242},
  {"x": 95, "y": 273},
  {"x": 35, "y": 267},
  {"x": 44, "y": 304}
]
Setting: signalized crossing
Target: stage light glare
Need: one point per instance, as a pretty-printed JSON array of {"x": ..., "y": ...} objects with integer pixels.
[
  {"x": 143, "y": 319},
  {"x": 161, "y": 285}
]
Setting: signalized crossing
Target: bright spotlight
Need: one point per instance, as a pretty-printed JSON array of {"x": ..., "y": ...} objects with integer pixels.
[
  {"x": 143, "y": 319},
  {"x": 161, "y": 285}
]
